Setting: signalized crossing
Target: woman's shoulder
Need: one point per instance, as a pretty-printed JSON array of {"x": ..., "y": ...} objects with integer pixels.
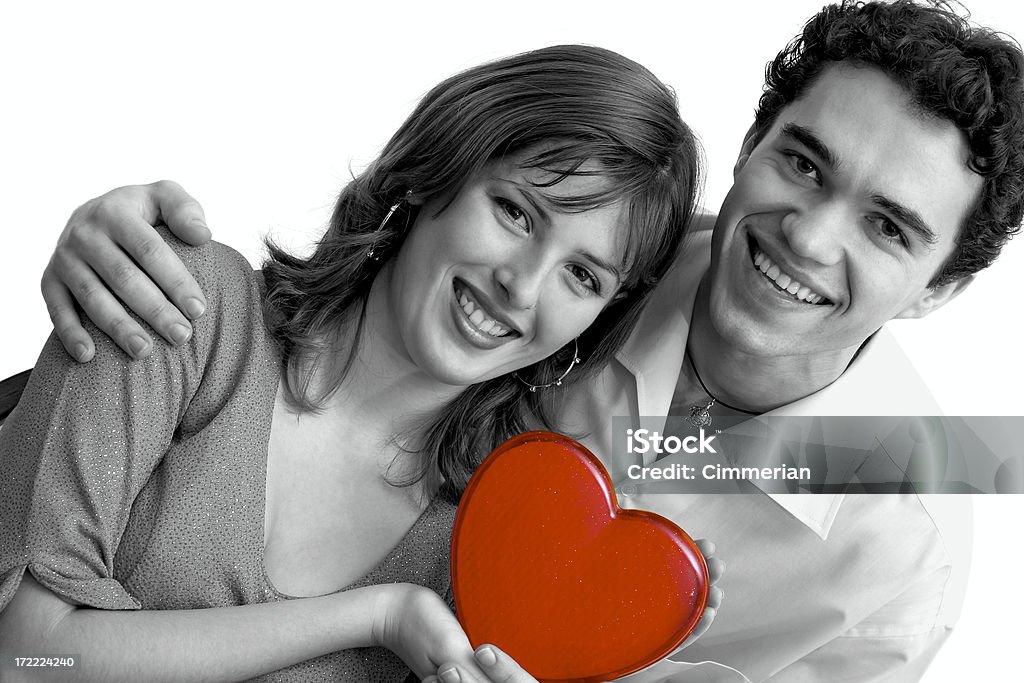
[
  {"x": 233, "y": 289},
  {"x": 218, "y": 269},
  {"x": 231, "y": 332}
]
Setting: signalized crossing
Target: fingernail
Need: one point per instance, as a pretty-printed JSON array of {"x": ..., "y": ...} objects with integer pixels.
[
  {"x": 486, "y": 656},
  {"x": 449, "y": 675},
  {"x": 199, "y": 223},
  {"x": 137, "y": 345},
  {"x": 180, "y": 333},
  {"x": 81, "y": 352},
  {"x": 194, "y": 307}
]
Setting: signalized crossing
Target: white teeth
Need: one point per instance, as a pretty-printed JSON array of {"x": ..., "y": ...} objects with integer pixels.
[
  {"x": 479, "y": 319},
  {"x": 784, "y": 280}
]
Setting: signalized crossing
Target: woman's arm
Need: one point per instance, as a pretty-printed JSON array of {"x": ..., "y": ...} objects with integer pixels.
[
  {"x": 233, "y": 643},
  {"x": 221, "y": 644}
]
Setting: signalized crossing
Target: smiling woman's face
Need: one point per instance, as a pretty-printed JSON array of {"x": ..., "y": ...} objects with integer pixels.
[{"x": 501, "y": 278}]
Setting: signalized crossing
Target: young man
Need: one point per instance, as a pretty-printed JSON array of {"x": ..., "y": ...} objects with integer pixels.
[{"x": 884, "y": 168}]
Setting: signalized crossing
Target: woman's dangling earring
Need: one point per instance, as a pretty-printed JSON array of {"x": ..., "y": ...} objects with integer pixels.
[
  {"x": 557, "y": 382},
  {"x": 371, "y": 253}
]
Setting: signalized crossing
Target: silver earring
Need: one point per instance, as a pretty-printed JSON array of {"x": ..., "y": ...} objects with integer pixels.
[
  {"x": 557, "y": 382},
  {"x": 371, "y": 254}
]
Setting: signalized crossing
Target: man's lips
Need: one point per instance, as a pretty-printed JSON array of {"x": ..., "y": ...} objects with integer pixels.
[{"x": 784, "y": 281}]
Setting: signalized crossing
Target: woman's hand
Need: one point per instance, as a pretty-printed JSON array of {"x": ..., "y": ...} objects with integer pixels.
[
  {"x": 417, "y": 625},
  {"x": 498, "y": 667},
  {"x": 109, "y": 250}
]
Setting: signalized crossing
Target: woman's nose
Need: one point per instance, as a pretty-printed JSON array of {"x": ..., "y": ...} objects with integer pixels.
[{"x": 521, "y": 281}]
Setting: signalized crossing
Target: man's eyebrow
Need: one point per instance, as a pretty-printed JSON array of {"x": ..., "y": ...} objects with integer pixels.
[
  {"x": 912, "y": 219},
  {"x": 904, "y": 214},
  {"x": 807, "y": 138}
]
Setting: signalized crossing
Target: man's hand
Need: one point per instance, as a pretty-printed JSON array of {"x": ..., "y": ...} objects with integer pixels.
[
  {"x": 109, "y": 250},
  {"x": 715, "y": 570}
]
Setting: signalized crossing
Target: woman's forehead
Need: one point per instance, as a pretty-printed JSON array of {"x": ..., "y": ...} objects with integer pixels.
[{"x": 564, "y": 186}]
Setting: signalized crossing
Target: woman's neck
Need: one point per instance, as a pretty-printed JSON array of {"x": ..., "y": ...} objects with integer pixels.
[{"x": 382, "y": 386}]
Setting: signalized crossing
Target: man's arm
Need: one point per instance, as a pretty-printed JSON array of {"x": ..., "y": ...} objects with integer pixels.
[{"x": 109, "y": 256}]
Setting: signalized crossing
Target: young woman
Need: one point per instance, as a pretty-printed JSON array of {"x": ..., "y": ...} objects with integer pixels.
[{"x": 276, "y": 495}]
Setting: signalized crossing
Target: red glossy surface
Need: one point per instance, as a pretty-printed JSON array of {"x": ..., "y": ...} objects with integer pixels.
[{"x": 546, "y": 566}]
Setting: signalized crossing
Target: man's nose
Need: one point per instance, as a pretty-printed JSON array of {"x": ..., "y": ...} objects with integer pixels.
[{"x": 818, "y": 232}]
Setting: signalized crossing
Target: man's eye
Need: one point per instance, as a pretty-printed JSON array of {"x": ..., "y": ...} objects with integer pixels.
[
  {"x": 803, "y": 166},
  {"x": 513, "y": 213},
  {"x": 889, "y": 231}
]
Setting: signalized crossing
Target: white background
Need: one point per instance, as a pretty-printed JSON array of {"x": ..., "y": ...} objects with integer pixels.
[{"x": 262, "y": 112}]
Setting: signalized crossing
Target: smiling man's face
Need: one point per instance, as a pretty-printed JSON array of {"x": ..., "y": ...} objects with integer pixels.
[{"x": 838, "y": 219}]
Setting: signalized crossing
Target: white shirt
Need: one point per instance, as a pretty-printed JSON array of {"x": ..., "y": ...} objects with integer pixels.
[{"x": 821, "y": 587}]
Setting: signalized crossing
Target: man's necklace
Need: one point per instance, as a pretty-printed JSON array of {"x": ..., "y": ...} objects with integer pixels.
[{"x": 700, "y": 416}]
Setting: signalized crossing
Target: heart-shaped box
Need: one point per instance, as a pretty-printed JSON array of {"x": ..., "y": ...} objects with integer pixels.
[{"x": 546, "y": 566}]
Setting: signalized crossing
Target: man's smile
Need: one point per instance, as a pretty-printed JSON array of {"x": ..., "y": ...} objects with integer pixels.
[
  {"x": 786, "y": 282},
  {"x": 783, "y": 278}
]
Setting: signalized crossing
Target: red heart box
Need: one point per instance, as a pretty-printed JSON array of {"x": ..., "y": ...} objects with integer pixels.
[{"x": 546, "y": 566}]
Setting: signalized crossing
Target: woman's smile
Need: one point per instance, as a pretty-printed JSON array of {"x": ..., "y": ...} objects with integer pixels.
[{"x": 476, "y": 320}]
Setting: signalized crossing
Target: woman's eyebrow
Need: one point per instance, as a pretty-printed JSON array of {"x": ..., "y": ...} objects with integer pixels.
[
  {"x": 602, "y": 264},
  {"x": 536, "y": 201}
]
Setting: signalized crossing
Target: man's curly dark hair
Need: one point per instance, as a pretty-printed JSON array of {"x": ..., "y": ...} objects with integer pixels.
[{"x": 969, "y": 75}]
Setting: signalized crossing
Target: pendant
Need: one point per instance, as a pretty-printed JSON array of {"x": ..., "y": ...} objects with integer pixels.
[{"x": 700, "y": 416}]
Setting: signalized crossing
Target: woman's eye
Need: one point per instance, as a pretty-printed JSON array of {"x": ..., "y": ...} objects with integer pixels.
[
  {"x": 514, "y": 214},
  {"x": 585, "y": 278},
  {"x": 803, "y": 166}
]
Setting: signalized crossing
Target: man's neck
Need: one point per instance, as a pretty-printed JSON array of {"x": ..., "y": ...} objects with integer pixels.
[{"x": 754, "y": 382}]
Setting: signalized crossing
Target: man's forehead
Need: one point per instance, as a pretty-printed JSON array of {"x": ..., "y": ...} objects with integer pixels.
[{"x": 864, "y": 128}]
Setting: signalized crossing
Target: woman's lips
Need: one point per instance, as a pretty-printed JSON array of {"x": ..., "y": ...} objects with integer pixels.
[{"x": 476, "y": 323}]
